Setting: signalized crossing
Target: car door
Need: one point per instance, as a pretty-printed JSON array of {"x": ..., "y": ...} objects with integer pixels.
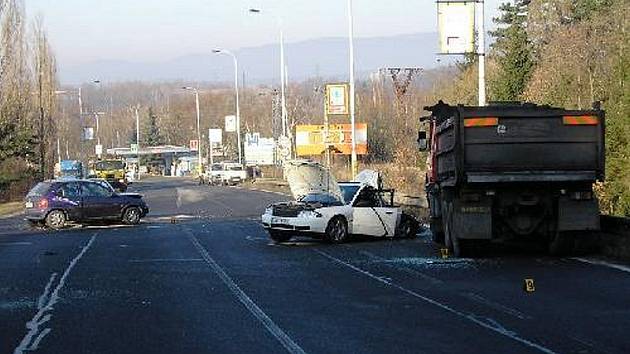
[
  {"x": 388, "y": 215},
  {"x": 70, "y": 195},
  {"x": 98, "y": 201},
  {"x": 365, "y": 220}
]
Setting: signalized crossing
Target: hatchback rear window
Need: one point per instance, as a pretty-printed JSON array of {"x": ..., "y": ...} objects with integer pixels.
[{"x": 40, "y": 189}]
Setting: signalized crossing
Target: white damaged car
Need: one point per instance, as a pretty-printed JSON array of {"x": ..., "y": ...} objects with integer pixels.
[{"x": 335, "y": 211}]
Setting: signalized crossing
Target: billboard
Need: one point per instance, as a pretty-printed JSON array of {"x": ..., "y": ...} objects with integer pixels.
[
  {"x": 337, "y": 99},
  {"x": 310, "y": 140},
  {"x": 259, "y": 151},
  {"x": 456, "y": 27}
]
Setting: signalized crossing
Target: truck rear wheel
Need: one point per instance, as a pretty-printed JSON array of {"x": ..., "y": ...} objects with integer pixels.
[
  {"x": 562, "y": 244},
  {"x": 437, "y": 230},
  {"x": 452, "y": 242}
]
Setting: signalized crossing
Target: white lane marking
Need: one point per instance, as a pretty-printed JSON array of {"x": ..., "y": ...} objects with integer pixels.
[
  {"x": 42, "y": 299},
  {"x": 16, "y": 243},
  {"x": 151, "y": 260},
  {"x": 286, "y": 341},
  {"x": 488, "y": 323},
  {"x": 41, "y": 317},
  {"x": 497, "y": 306},
  {"x": 602, "y": 263},
  {"x": 39, "y": 338}
]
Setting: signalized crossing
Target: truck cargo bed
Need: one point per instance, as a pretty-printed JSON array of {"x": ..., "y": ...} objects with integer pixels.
[{"x": 524, "y": 143}]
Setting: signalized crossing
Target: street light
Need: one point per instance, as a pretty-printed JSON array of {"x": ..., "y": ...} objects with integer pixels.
[
  {"x": 352, "y": 108},
  {"x": 238, "y": 110},
  {"x": 188, "y": 88},
  {"x": 282, "y": 71}
]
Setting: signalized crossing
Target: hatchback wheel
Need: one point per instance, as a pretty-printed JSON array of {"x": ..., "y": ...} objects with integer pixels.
[
  {"x": 56, "y": 219},
  {"x": 337, "y": 230},
  {"x": 131, "y": 216}
]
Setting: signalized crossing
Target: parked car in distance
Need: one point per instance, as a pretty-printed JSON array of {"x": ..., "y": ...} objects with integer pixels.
[
  {"x": 335, "y": 211},
  {"x": 55, "y": 203}
]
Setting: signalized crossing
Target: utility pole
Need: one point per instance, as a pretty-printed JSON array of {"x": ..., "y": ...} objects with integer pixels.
[
  {"x": 352, "y": 103},
  {"x": 138, "y": 140},
  {"x": 42, "y": 146},
  {"x": 481, "y": 53}
]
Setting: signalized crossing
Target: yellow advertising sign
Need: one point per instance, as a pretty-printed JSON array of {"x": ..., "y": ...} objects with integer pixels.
[{"x": 311, "y": 140}]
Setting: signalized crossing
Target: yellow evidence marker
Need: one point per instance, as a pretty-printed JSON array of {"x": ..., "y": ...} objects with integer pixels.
[{"x": 529, "y": 286}]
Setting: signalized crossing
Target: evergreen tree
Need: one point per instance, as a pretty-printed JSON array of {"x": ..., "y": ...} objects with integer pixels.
[
  {"x": 513, "y": 52},
  {"x": 152, "y": 135}
]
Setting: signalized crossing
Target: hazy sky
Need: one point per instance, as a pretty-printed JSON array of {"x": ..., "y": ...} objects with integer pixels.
[{"x": 157, "y": 30}]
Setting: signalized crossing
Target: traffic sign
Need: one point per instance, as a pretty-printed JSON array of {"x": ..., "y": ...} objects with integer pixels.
[
  {"x": 194, "y": 145},
  {"x": 134, "y": 148},
  {"x": 337, "y": 99},
  {"x": 99, "y": 150},
  {"x": 230, "y": 124}
]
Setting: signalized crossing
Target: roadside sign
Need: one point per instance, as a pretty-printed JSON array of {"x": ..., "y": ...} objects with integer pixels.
[
  {"x": 88, "y": 133},
  {"x": 134, "y": 148},
  {"x": 258, "y": 150},
  {"x": 230, "y": 124},
  {"x": 337, "y": 99},
  {"x": 194, "y": 145},
  {"x": 456, "y": 27},
  {"x": 99, "y": 150},
  {"x": 215, "y": 136}
]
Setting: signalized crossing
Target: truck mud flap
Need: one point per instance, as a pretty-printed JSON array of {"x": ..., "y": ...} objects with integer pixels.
[
  {"x": 578, "y": 215},
  {"x": 473, "y": 221}
]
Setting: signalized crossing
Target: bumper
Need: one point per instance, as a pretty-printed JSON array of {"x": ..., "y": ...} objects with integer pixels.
[
  {"x": 298, "y": 225},
  {"x": 35, "y": 214}
]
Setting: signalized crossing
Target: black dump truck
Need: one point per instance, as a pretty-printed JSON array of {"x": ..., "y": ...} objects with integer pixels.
[{"x": 512, "y": 171}]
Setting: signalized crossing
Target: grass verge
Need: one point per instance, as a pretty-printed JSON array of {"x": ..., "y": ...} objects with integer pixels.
[{"x": 11, "y": 208}]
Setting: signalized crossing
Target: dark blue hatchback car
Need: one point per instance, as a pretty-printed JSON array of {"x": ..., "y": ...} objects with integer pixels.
[{"x": 56, "y": 202}]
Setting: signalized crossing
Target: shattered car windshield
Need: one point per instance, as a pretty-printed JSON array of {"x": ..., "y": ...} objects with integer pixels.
[{"x": 325, "y": 199}]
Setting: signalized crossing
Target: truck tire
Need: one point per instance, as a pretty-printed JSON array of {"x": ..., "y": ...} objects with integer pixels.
[
  {"x": 452, "y": 242},
  {"x": 562, "y": 244},
  {"x": 437, "y": 231}
]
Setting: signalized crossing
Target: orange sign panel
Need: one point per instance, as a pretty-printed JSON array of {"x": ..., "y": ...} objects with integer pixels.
[{"x": 312, "y": 140}]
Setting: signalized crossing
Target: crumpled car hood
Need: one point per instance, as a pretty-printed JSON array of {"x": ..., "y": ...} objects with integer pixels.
[{"x": 307, "y": 177}]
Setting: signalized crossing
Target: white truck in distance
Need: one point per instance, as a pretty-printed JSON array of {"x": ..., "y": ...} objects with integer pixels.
[{"x": 226, "y": 173}]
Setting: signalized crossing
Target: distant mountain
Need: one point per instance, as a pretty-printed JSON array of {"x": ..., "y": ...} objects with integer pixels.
[{"x": 325, "y": 57}]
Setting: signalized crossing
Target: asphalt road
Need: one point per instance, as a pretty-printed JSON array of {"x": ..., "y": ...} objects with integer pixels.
[{"x": 213, "y": 283}]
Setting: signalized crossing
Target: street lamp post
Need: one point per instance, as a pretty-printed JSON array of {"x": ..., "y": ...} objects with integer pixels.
[
  {"x": 283, "y": 97},
  {"x": 199, "y": 167},
  {"x": 352, "y": 88},
  {"x": 238, "y": 110}
]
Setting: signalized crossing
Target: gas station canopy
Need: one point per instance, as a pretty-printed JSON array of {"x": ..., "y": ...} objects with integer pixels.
[{"x": 150, "y": 150}]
